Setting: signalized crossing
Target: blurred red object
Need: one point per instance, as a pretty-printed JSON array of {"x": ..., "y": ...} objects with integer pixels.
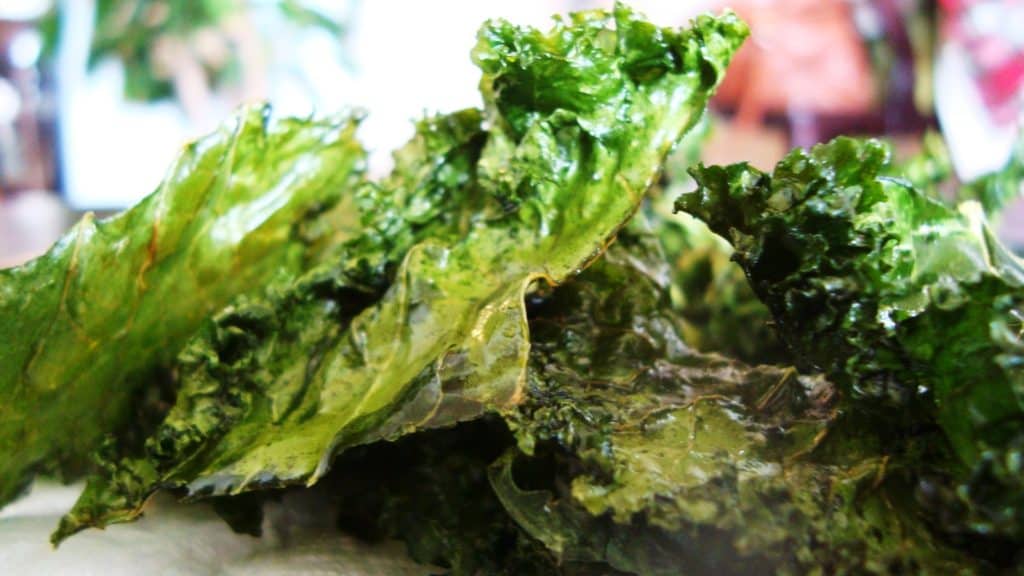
[
  {"x": 803, "y": 57},
  {"x": 991, "y": 32}
]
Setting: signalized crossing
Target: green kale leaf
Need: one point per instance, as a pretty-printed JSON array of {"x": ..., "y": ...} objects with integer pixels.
[
  {"x": 631, "y": 453},
  {"x": 86, "y": 326},
  {"x": 913, "y": 308},
  {"x": 721, "y": 312},
  {"x": 660, "y": 459},
  {"x": 576, "y": 124},
  {"x": 931, "y": 171}
]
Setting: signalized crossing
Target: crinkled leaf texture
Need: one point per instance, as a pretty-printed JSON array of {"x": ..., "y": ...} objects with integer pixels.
[
  {"x": 662, "y": 460},
  {"x": 902, "y": 300},
  {"x": 576, "y": 124},
  {"x": 708, "y": 289},
  {"x": 632, "y": 453},
  {"x": 711, "y": 292},
  {"x": 84, "y": 326}
]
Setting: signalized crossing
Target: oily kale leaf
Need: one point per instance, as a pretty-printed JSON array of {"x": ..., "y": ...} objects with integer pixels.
[
  {"x": 631, "y": 453},
  {"x": 661, "y": 459},
  {"x": 909, "y": 305},
  {"x": 85, "y": 326},
  {"x": 576, "y": 124},
  {"x": 710, "y": 291},
  {"x": 272, "y": 344},
  {"x": 721, "y": 312}
]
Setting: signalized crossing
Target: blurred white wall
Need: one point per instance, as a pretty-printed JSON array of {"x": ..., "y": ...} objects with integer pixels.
[{"x": 112, "y": 151}]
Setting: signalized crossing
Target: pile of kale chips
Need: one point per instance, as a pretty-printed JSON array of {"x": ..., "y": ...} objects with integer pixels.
[{"x": 510, "y": 353}]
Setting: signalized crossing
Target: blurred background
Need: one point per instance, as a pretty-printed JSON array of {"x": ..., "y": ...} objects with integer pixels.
[{"x": 98, "y": 96}]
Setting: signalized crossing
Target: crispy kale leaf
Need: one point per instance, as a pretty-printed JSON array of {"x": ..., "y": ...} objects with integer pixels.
[
  {"x": 662, "y": 459},
  {"x": 633, "y": 454},
  {"x": 721, "y": 312},
  {"x": 902, "y": 300},
  {"x": 85, "y": 326},
  {"x": 576, "y": 123}
]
